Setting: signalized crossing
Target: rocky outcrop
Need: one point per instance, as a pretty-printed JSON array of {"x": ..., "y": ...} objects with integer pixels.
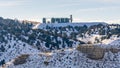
[{"x": 92, "y": 52}]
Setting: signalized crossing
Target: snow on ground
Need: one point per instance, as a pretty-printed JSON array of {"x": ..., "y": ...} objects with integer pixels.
[
  {"x": 66, "y": 58},
  {"x": 107, "y": 41},
  {"x": 70, "y": 59},
  {"x": 115, "y": 43},
  {"x": 90, "y": 38},
  {"x": 114, "y": 40},
  {"x": 16, "y": 48}
]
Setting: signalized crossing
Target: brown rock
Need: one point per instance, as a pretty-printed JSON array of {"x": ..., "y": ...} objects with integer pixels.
[
  {"x": 92, "y": 52},
  {"x": 114, "y": 50}
]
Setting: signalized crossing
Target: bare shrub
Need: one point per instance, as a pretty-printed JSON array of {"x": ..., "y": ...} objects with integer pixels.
[
  {"x": 89, "y": 42},
  {"x": 46, "y": 63}
]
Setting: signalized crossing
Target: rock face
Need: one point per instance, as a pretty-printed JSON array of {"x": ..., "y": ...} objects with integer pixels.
[
  {"x": 92, "y": 52},
  {"x": 114, "y": 50}
]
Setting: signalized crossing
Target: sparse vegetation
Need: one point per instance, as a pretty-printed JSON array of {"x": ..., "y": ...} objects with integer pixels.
[{"x": 46, "y": 63}]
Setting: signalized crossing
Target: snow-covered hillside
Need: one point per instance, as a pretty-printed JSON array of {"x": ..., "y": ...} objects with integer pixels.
[
  {"x": 96, "y": 37},
  {"x": 43, "y": 25},
  {"x": 57, "y": 45},
  {"x": 70, "y": 58},
  {"x": 67, "y": 58},
  {"x": 13, "y": 48},
  {"x": 91, "y": 38}
]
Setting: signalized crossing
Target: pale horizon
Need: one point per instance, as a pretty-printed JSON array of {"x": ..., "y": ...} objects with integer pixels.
[{"x": 82, "y": 10}]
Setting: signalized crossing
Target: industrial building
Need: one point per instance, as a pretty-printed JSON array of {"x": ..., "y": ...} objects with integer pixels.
[{"x": 58, "y": 20}]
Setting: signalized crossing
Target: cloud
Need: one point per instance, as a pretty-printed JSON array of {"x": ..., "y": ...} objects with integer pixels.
[
  {"x": 108, "y": 0},
  {"x": 102, "y": 1},
  {"x": 98, "y": 9},
  {"x": 87, "y": 3},
  {"x": 12, "y": 3}
]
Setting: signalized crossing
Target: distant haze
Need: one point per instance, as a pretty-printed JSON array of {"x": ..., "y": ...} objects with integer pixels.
[{"x": 82, "y": 10}]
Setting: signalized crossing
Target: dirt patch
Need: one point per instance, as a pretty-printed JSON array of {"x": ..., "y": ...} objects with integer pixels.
[{"x": 21, "y": 59}]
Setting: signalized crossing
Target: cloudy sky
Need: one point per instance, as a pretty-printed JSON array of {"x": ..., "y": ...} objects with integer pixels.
[{"x": 82, "y": 10}]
